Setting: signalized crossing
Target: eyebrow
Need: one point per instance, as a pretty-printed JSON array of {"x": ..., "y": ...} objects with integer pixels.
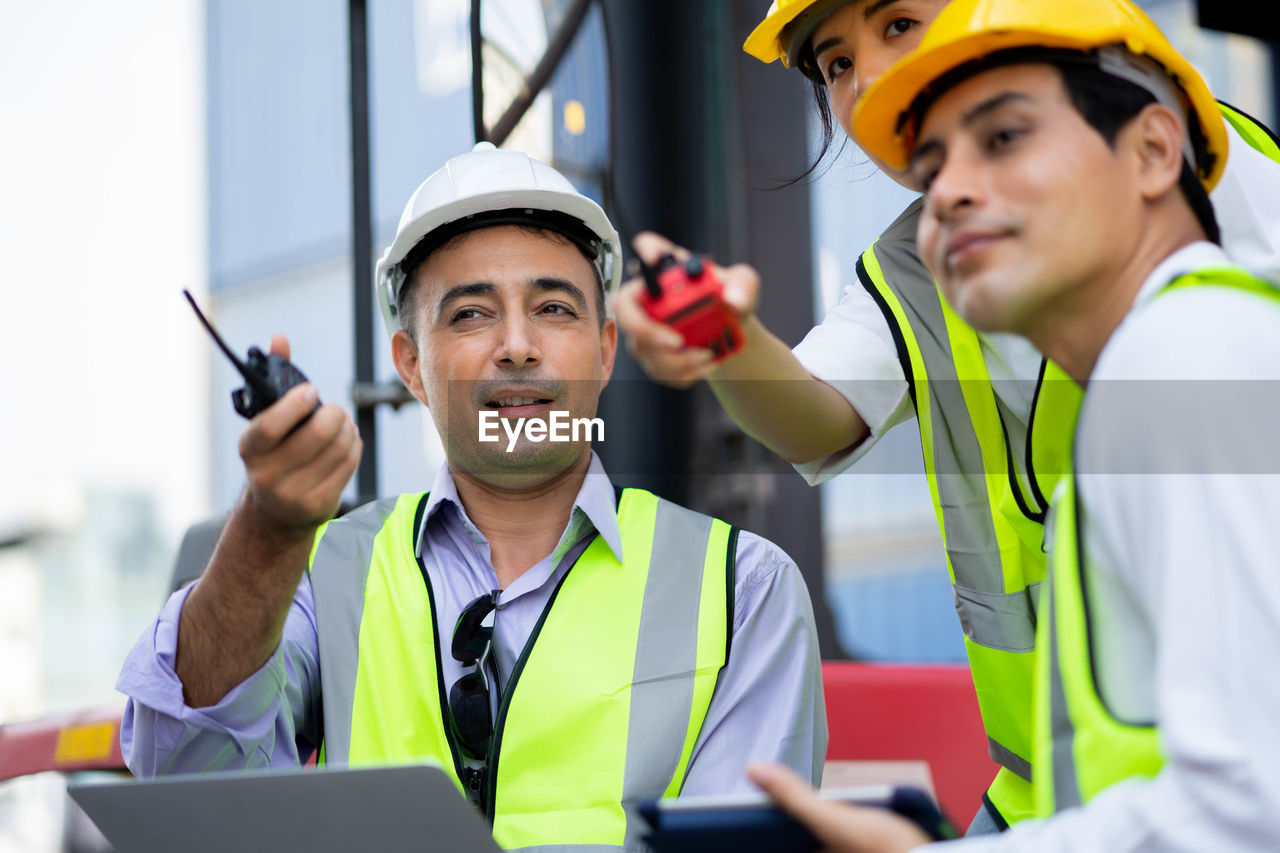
[
  {"x": 484, "y": 288},
  {"x": 867, "y": 14},
  {"x": 990, "y": 105},
  {"x": 546, "y": 283},
  {"x": 967, "y": 119},
  {"x": 479, "y": 288}
]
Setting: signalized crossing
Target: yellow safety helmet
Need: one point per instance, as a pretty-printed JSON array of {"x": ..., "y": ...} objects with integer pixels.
[
  {"x": 786, "y": 27},
  {"x": 968, "y": 30}
]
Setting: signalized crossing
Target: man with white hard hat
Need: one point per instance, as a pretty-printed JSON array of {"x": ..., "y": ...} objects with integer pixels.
[{"x": 562, "y": 649}]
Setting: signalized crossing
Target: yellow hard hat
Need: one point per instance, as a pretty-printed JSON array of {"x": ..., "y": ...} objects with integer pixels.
[
  {"x": 968, "y": 30},
  {"x": 786, "y": 27}
]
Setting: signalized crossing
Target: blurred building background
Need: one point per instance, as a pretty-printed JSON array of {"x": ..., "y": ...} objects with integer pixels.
[
  {"x": 104, "y": 437},
  {"x": 152, "y": 145}
]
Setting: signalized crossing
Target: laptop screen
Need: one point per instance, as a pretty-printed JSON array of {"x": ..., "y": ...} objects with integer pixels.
[{"x": 320, "y": 811}]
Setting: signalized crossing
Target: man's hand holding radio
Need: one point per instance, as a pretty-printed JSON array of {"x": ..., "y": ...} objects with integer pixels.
[
  {"x": 297, "y": 461},
  {"x": 297, "y": 468}
]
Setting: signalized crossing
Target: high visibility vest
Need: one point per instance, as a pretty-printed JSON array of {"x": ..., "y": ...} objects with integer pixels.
[
  {"x": 1252, "y": 131},
  {"x": 1080, "y": 747},
  {"x": 605, "y": 702},
  {"x": 990, "y": 516},
  {"x": 992, "y": 521}
]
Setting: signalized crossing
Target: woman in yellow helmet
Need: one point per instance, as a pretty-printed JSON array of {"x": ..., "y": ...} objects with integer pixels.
[
  {"x": 892, "y": 349},
  {"x": 1065, "y": 157}
]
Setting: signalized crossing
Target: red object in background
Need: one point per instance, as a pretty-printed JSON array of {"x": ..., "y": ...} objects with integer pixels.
[
  {"x": 82, "y": 740},
  {"x": 903, "y": 713},
  {"x": 690, "y": 298}
]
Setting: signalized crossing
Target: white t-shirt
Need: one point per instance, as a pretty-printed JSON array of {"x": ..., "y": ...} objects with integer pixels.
[
  {"x": 1179, "y": 478},
  {"x": 852, "y": 349}
]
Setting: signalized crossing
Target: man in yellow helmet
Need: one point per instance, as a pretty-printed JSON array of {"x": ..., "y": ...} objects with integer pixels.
[
  {"x": 995, "y": 416},
  {"x": 1066, "y": 152}
]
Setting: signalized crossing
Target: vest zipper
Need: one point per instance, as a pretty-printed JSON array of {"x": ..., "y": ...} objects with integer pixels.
[
  {"x": 1031, "y": 425},
  {"x": 474, "y": 779},
  {"x": 441, "y": 691},
  {"x": 495, "y": 743}
]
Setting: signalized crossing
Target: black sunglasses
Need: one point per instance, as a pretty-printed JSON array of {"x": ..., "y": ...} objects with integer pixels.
[{"x": 469, "y": 716}]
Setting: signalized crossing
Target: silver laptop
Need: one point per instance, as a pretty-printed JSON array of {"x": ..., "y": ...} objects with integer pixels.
[{"x": 413, "y": 808}]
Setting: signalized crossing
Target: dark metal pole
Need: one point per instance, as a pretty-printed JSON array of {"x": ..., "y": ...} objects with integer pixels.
[
  {"x": 477, "y": 74},
  {"x": 362, "y": 243},
  {"x": 761, "y": 141},
  {"x": 648, "y": 444},
  {"x": 696, "y": 127}
]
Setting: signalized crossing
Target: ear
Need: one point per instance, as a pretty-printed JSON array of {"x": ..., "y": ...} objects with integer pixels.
[
  {"x": 608, "y": 348},
  {"x": 405, "y": 354},
  {"x": 1155, "y": 135}
]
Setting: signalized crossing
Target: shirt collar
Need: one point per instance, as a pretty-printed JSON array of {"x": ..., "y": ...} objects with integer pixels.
[{"x": 595, "y": 506}]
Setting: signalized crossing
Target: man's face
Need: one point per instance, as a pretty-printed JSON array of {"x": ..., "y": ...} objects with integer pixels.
[
  {"x": 1025, "y": 202},
  {"x": 855, "y": 44},
  {"x": 507, "y": 323}
]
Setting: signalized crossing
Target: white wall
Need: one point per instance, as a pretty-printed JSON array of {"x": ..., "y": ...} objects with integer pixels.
[{"x": 102, "y": 386}]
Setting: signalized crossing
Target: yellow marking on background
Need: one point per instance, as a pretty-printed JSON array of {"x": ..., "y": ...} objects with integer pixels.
[{"x": 88, "y": 742}]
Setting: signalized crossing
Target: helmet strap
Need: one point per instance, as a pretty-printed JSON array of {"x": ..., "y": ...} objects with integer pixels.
[{"x": 1148, "y": 74}]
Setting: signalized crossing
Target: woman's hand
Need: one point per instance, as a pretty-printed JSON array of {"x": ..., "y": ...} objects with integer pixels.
[{"x": 657, "y": 347}]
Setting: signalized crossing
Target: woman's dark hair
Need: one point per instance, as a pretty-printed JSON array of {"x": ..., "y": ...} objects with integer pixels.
[{"x": 807, "y": 65}]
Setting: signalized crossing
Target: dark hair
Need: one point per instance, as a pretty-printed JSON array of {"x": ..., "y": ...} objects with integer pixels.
[
  {"x": 415, "y": 259},
  {"x": 807, "y": 65},
  {"x": 1107, "y": 103}
]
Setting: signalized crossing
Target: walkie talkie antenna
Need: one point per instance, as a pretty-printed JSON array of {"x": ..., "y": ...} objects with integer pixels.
[
  {"x": 249, "y": 376},
  {"x": 217, "y": 338},
  {"x": 267, "y": 378},
  {"x": 650, "y": 279}
]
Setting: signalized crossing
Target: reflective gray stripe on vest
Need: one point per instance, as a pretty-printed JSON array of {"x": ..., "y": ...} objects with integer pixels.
[
  {"x": 338, "y": 575},
  {"x": 998, "y": 620},
  {"x": 957, "y": 455},
  {"x": 667, "y": 647},
  {"x": 990, "y": 617},
  {"x": 970, "y": 532},
  {"x": 1006, "y": 757},
  {"x": 1066, "y": 789}
]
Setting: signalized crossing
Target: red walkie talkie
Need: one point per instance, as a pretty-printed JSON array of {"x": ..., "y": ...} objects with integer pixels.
[{"x": 690, "y": 298}]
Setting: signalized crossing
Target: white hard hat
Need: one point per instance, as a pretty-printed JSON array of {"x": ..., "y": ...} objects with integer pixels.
[{"x": 488, "y": 186}]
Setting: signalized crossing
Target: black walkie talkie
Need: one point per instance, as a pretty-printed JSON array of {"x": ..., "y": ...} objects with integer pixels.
[{"x": 267, "y": 377}]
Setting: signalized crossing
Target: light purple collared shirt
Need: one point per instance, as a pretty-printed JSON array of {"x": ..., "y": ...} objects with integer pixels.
[{"x": 767, "y": 705}]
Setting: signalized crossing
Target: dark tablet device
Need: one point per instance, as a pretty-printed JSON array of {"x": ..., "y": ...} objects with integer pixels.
[{"x": 751, "y": 822}]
